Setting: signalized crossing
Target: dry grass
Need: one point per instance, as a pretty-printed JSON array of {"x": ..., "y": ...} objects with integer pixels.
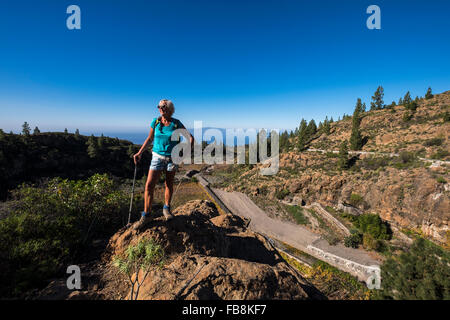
[{"x": 187, "y": 191}]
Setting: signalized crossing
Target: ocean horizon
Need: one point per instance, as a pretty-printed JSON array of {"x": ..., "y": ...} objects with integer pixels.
[{"x": 139, "y": 137}]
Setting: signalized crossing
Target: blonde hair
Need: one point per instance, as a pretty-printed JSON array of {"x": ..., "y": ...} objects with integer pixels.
[{"x": 168, "y": 104}]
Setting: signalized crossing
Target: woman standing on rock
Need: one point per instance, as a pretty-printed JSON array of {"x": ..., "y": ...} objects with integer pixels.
[{"x": 161, "y": 130}]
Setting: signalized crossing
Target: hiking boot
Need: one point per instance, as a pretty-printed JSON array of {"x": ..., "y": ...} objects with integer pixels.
[
  {"x": 166, "y": 212},
  {"x": 146, "y": 218}
]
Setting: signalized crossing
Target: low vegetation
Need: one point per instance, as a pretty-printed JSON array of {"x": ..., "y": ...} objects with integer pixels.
[
  {"x": 370, "y": 231},
  {"x": 53, "y": 224},
  {"x": 332, "y": 282},
  {"x": 137, "y": 261},
  {"x": 297, "y": 213},
  {"x": 420, "y": 273}
]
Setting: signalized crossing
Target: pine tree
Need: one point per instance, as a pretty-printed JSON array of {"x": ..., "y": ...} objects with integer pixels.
[
  {"x": 65, "y": 131},
  {"x": 356, "y": 141},
  {"x": 311, "y": 129},
  {"x": 400, "y": 101},
  {"x": 429, "y": 95},
  {"x": 284, "y": 140},
  {"x": 77, "y": 134},
  {"x": 343, "y": 161},
  {"x": 359, "y": 107},
  {"x": 326, "y": 126},
  {"x": 302, "y": 135},
  {"x": 407, "y": 98},
  {"x": 36, "y": 130},
  {"x": 26, "y": 129},
  {"x": 93, "y": 150},
  {"x": 377, "y": 99}
]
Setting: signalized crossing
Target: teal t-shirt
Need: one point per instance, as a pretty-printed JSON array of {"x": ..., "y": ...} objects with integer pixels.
[{"x": 161, "y": 142}]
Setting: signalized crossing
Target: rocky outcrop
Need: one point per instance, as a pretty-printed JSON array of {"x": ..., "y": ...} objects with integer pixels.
[
  {"x": 232, "y": 262},
  {"x": 348, "y": 209}
]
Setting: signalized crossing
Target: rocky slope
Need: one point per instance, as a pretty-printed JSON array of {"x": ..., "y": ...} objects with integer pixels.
[
  {"x": 387, "y": 131},
  {"x": 234, "y": 262}
]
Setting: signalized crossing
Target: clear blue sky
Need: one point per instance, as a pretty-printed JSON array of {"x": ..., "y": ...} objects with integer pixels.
[{"x": 229, "y": 63}]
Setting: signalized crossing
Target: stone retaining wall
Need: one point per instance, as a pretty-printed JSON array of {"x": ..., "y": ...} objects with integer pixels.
[{"x": 362, "y": 272}]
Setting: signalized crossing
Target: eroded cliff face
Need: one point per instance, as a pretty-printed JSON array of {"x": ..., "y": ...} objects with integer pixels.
[{"x": 233, "y": 262}]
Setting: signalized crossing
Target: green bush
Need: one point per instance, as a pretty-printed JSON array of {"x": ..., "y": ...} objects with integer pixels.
[
  {"x": 281, "y": 194},
  {"x": 422, "y": 272},
  {"x": 433, "y": 142},
  {"x": 373, "y": 225},
  {"x": 356, "y": 199},
  {"x": 412, "y": 106},
  {"x": 406, "y": 157},
  {"x": 441, "y": 179},
  {"x": 143, "y": 256},
  {"x": 353, "y": 240},
  {"x": 407, "y": 116},
  {"x": 53, "y": 225}
]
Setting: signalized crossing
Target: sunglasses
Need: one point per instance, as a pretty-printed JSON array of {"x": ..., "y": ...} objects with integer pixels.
[{"x": 162, "y": 108}]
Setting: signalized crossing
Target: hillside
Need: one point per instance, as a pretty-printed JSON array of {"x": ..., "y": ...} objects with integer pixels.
[
  {"x": 395, "y": 182},
  {"x": 425, "y": 134},
  {"x": 29, "y": 158}
]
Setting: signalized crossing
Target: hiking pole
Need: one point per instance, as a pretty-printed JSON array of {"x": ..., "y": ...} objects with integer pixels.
[
  {"x": 132, "y": 193},
  {"x": 173, "y": 196}
]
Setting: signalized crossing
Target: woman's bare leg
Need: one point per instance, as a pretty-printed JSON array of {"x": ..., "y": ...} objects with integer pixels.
[
  {"x": 170, "y": 177},
  {"x": 152, "y": 179}
]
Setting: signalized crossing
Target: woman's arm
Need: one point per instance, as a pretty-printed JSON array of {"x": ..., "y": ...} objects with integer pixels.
[{"x": 149, "y": 139}]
